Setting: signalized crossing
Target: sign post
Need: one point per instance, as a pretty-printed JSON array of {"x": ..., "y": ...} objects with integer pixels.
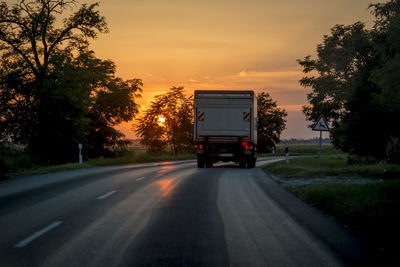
[
  {"x": 320, "y": 126},
  {"x": 80, "y": 153}
]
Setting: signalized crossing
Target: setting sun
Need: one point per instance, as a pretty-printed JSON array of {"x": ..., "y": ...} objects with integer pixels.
[{"x": 161, "y": 120}]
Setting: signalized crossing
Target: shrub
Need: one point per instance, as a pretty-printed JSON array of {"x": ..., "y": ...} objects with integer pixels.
[
  {"x": 3, "y": 167},
  {"x": 393, "y": 150},
  {"x": 361, "y": 160}
]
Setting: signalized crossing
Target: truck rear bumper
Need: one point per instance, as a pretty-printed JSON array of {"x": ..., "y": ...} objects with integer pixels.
[{"x": 225, "y": 148}]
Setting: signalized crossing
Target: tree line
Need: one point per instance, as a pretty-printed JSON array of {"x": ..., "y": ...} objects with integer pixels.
[{"x": 355, "y": 83}]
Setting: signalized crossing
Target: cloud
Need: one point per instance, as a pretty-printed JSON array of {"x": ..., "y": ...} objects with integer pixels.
[
  {"x": 193, "y": 80},
  {"x": 243, "y": 73},
  {"x": 267, "y": 74}
]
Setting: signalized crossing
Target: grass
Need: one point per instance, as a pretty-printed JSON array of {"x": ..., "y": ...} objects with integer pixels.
[
  {"x": 296, "y": 150},
  {"x": 137, "y": 156},
  {"x": 371, "y": 211},
  {"x": 307, "y": 167}
]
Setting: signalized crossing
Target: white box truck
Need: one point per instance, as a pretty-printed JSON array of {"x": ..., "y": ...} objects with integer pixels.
[{"x": 225, "y": 127}]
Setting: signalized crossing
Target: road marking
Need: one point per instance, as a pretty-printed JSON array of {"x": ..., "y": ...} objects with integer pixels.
[
  {"x": 39, "y": 233},
  {"x": 141, "y": 178},
  {"x": 106, "y": 195},
  {"x": 160, "y": 171}
]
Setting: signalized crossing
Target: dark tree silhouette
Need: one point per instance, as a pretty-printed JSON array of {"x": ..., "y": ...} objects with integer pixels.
[
  {"x": 355, "y": 83},
  {"x": 271, "y": 122},
  {"x": 54, "y": 93}
]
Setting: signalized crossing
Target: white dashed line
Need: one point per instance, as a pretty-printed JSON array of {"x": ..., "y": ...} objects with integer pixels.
[
  {"x": 39, "y": 233},
  {"x": 139, "y": 179},
  {"x": 106, "y": 195}
]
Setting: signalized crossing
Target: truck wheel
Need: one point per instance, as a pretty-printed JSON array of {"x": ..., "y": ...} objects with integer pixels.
[
  {"x": 209, "y": 164},
  {"x": 251, "y": 163},
  {"x": 200, "y": 163}
]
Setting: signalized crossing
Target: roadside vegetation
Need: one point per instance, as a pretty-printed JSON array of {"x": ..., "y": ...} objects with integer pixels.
[
  {"x": 370, "y": 209},
  {"x": 332, "y": 165}
]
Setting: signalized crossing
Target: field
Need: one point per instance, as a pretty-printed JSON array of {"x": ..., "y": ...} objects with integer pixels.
[
  {"x": 296, "y": 150},
  {"x": 370, "y": 209}
]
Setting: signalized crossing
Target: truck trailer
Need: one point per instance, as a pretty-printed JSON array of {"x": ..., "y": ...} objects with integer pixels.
[{"x": 225, "y": 127}]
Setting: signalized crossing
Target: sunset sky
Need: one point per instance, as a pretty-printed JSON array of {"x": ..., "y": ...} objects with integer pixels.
[{"x": 222, "y": 44}]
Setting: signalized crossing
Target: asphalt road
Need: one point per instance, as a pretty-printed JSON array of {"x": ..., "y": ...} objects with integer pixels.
[{"x": 166, "y": 214}]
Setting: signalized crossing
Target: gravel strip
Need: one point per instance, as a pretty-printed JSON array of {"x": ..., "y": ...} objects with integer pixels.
[{"x": 295, "y": 182}]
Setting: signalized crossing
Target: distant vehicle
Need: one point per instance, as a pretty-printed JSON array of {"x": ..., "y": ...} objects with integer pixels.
[{"x": 225, "y": 127}]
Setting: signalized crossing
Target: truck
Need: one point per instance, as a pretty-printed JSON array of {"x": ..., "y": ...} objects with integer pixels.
[{"x": 225, "y": 127}]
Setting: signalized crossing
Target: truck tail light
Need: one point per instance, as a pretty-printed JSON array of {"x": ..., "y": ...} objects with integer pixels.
[{"x": 245, "y": 145}]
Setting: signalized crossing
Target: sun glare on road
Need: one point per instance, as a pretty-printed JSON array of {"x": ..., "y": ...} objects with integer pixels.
[{"x": 165, "y": 185}]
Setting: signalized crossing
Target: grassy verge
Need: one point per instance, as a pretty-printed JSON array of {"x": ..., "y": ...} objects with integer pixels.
[
  {"x": 331, "y": 166},
  {"x": 371, "y": 211},
  {"x": 128, "y": 158}
]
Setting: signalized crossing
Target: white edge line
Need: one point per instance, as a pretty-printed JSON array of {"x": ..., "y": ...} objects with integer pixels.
[
  {"x": 106, "y": 195},
  {"x": 39, "y": 233},
  {"x": 140, "y": 178}
]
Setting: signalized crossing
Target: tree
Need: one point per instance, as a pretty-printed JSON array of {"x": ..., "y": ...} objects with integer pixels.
[
  {"x": 112, "y": 103},
  {"x": 167, "y": 122},
  {"x": 271, "y": 122},
  {"x": 355, "y": 83},
  {"x": 336, "y": 71},
  {"x": 52, "y": 87}
]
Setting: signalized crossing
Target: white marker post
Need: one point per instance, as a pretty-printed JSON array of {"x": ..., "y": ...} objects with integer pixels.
[
  {"x": 80, "y": 153},
  {"x": 287, "y": 152},
  {"x": 320, "y": 126}
]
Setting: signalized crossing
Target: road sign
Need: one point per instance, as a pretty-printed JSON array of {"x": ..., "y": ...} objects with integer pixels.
[{"x": 321, "y": 125}]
